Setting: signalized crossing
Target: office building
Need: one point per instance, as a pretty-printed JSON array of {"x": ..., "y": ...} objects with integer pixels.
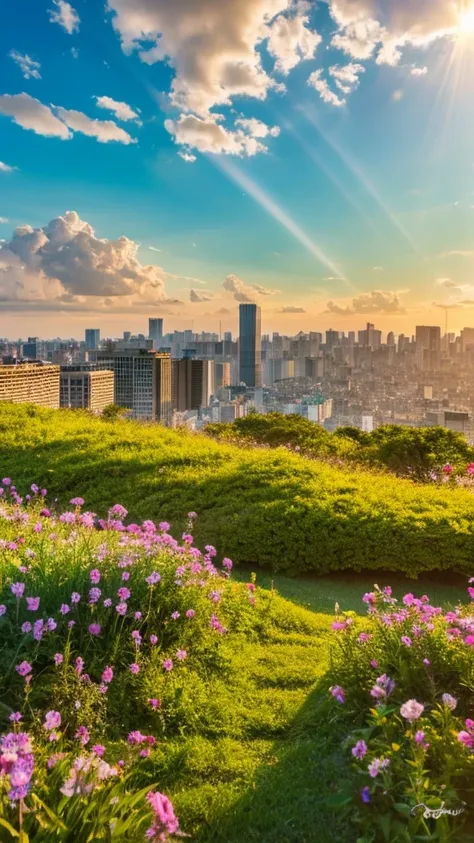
[
  {"x": 30, "y": 383},
  {"x": 87, "y": 390},
  {"x": 92, "y": 337},
  {"x": 221, "y": 375},
  {"x": 192, "y": 384},
  {"x": 155, "y": 332},
  {"x": 142, "y": 381},
  {"x": 250, "y": 345},
  {"x": 31, "y": 349}
]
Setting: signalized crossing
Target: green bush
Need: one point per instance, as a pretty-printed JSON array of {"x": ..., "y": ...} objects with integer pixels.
[{"x": 263, "y": 506}]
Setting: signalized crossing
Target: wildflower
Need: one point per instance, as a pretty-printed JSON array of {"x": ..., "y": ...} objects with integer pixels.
[
  {"x": 107, "y": 603},
  {"x": 154, "y": 703},
  {"x": 82, "y": 735},
  {"x": 77, "y": 502},
  {"x": 67, "y": 517},
  {"x": 17, "y": 589},
  {"x": 466, "y": 737},
  {"x": 121, "y": 608},
  {"x": 75, "y": 597},
  {"x": 24, "y": 668},
  {"x": 52, "y": 720},
  {"x": 383, "y": 687},
  {"x": 38, "y": 527},
  {"x": 406, "y": 640},
  {"x": 181, "y": 655},
  {"x": 98, "y": 750},
  {"x": 419, "y": 736},
  {"x": 411, "y": 710},
  {"x": 6, "y": 481},
  {"x": 175, "y": 616},
  {"x": 364, "y": 637},
  {"x": 3, "y": 609},
  {"x": 119, "y": 511},
  {"x": 134, "y": 668},
  {"x": 124, "y": 593},
  {"x": 153, "y": 639},
  {"x": 167, "y": 664},
  {"x": 64, "y": 609},
  {"x": 58, "y": 658},
  {"x": 165, "y": 821},
  {"x": 125, "y": 576},
  {"x": 107, "y": 675},
  {"x": 154, "y": 578},
  {"x": 94, "y": 595},
  {"x": 190, "y": 613},
  {"x": 17, "y": 761},
  {"x": 369, "y": 598},
  {"x": 338, "y": 693},
  {"x": 449, "y": 701},
  {"x": 94, "y": 576},
  {"x": 360, "y": 749},
  {"x": 32, "y": 604},
  {"x": 227, "y": 564},
  {"x": 427, "y": 662},
  {"x": 448, "y": 469},
  {"x": 51, "y": 624},
  {"x": 95, "y": 628},
  {"x": 15, "y": 717},
  {"x": 469, "y": 639},
  {"x": 376, "y": 765},
  {"x": 79, "y": 665},
  {"x": 164, "y": 526},
  {"x": 38, "y": 629},
  {"x": 365, "y": 795},
  {"x": 137, "y": 616},
  {"x": 26, "y": 627}
]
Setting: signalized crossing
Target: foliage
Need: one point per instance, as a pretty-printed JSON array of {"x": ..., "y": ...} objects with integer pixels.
[
  {"x": 405, "y": 683},
  {"x": 262, "y": 506}
]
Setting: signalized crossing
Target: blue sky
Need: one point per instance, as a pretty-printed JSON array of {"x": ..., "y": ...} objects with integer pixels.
[{"x": 317, "y": 158}]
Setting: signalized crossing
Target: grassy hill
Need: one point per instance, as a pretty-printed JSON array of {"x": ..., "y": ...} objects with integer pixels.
[{"x": 258, "y": 506}]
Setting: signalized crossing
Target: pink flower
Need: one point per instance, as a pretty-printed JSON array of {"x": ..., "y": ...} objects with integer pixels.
[
  {"x": 32, "y": 604},
  {"x": 24, "y": 668},
  {"x": 406, "y": 640},
  {"x": 98, "y": 750},
  {"x": 190, "y": 613},
  {"x": 75, "y": 597},
  {"x": 411, "y": 710},
  {"x": 164, "y": 822},
  {"x": 338, "y": 693},
  {"x": 58, "y": 658},
  {"x": 448, "y": 469},
  {"x": 181, "y": 655},
  {"x": 107, "y": 675},
  {"x": 175, "y": 616},
  {"x": 121, "y": 608},
  {"x": 167, "y": 664},
  {"x": 52, "y": 720},
  {"x": 64, "y": 609},
  {"x": 17, "y": 589},
  {"x": 154, "y": 703},
  {"x": 449, "y": 701},
  {"x": 360, "y": 749},
  {"x": 134, "y": 668},
  {"x": 95, "y": 576},
  {"x": 153, "y": 639},
  {"x": 95, "y": 628},
  {"x": 124, "y": 593},
  {"x": 82, "y": 735}
]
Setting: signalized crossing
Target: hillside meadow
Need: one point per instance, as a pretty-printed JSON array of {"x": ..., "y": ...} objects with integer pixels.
[{"x": 266, "y": 507}]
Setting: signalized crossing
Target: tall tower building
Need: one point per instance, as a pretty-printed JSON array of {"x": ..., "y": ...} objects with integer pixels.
[
  {"x": 155, "y": 332},
  {"x": 250, "y": 345},
  {"x": 142, "y": 382},
  {"x": 92, "y": 337},
  {"x": 192, "y": 384}
]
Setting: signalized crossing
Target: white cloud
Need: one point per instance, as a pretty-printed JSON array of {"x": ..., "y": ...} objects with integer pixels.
[
  {"x": 461, "y": 253},
  {"x": 320, "y": 84},
  {"x": 397, "y": 95},
  {"x": 154, "y": 249},
  {"x": 187, "y": 156},
  {"x": 64, "y": 262},
  {"x": 6, "y": 168},
  {"x": 103, "y": 130},
  {"x": 32, "y": 114},
  {"x": 207, "y": 135},
  {"x": 419, "y": 71},
  {"x": 292, "y": 309},
  {"x": 359, "y": 38},
  {"x": 244, "y": 293},
  {"x": 4, "y": 219},
  {"x": 65, "y": 16},
  {"x": 290, "y": 39},
  {"x": 28, "y": 66},
  {"x": 121, "y": 110},
  {"x": 377, "y": 301},
  {"x": 256, "y": 128},
  {"x": 196, "y": 296},
  {"x": 346, "y": 76}
]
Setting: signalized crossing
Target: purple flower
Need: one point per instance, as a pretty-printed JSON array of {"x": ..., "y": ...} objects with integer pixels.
[
  {"x": 26, "y": 627},
  {"x": 153, "y": 639},
  {"x": 82, "y": 735},
  {"x": 58, "y": 659},
  {"x": 167, "y": 664},
  {"x": 365, "y": 795},
  {"x": 134, "y": 668},
  {"x": 165, "y": 822},
  {"x": 94, "y": 595},
  {"x": 137, "y": 616},
  {"x": 107, "y": 675},
  {"x": 406, "y": 640},
  {"x": 32, "y": 604},
  {"x": 51, "y": 624},
  {"x": 175, "y": 616},
  {"x": 38, "y": 629},
  {"x": 449, "y": 701},
  {"x": 124, "y": 593},
  {"x": 64, "y": 609},
  {"x": 164, "y": 526},
  {"x": 411, "y": 710},
  {"x": 154, "y": 703},
  {"x": 77, "y": 502},
  {"x": 98, "y": 749},
  {"x": 6, "y": 481},
  {"x": 67, "y": 517},
  {"x": 15, "y": 716},
  {"x": 376, "y": 765},
  {"x": 419, "y": 736},
  {"x": 17, "y": 589},
  {"x": 3, "y": 609},
  {"x": 52, "y": 720},
  {"x": 338, "y": 693},
  {"x": 95, "y": 628},
  {"x": 79, "y": 665},
  {"x": 94, "y": 576},
  {"x": 107, "y": 603},
  {"x": 227, "y": 564},
  {"x": 119, "y": 511},
  {"x": 190, "y": 613},
  {"x": 75, "y": 597},
  {"x": 121, "y": 608},
  {"x": 24, "y": 668},
  {"x": 125, "y": 576},
  {"x": 181, "y": 655},
  {"x": 360, "y": 749},
  {"x": 154, "y": 578}
]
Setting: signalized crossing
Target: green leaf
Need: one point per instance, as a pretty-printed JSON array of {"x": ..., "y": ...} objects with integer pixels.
[
  {"x": 9, "y": 828},
  {"x": 403, "y": 809}
]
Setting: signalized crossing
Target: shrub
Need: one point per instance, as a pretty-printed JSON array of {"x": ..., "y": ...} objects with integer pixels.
[{"x": 404, "y": 683}]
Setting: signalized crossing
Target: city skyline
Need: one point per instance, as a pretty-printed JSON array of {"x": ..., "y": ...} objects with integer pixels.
[{"x": 318, "y": 163}]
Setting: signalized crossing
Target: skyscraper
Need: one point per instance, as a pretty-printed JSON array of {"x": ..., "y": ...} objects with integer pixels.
[
  {"x": 192, "y": 383},
  {"x": 155, "y": 332},
  {"x": 92, "y": 337},
  {"x": 142, "y": 382},
  {"x": 250, "y": 345}
]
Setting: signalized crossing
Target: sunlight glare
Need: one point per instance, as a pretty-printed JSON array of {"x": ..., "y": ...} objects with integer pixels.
[{"x": 466, "y": 22}]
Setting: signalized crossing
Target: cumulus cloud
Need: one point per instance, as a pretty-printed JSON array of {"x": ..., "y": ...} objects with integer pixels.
[
  {"x": 28, "y": 66},
  {"x": 4, "y": 219},
  {"x": 346, "y": 76},
  {"x": 291, "y": 309},
  {"x": 121, "y": 110},
  {"x": 291, "y": 40},
  {"x": 65, "y": 16},
  {"x": 377, "y": 301},
  {"x": 317, "y": 81},
  {"x": 245, "y": 293},
  {"x": 187, "y": 156},
  {"x": 207, "y": 135},
  {"x": 419, "y": 71},
  {"x": 30, "y": 113},
  {"x": 6, "y": 168},
  {"x": 256, "y": 128},
  {"x": 64, "y": 262},
  {"x": 196, "y": 296},
  {"x": 103, "y": 130}
]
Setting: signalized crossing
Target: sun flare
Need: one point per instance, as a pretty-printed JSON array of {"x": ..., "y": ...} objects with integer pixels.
[{"x": 466, "y": 22}]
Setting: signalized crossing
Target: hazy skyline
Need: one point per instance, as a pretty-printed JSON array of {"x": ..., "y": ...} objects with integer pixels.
[{"x": 176, "y": 159}]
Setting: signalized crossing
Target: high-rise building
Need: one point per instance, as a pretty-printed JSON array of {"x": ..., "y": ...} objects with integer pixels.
[
  {"x": 428, "y": 337},
  {"x": 155, "y": 332},
  {"x": 142, "y": 381},
  {"x": 30, "y": 383},
  {"x": 87, "y": 390},
  {"x": 127, "y": 335},
  {"x": 92, "y": 337},
  {"x": 250, "y": 345},
  {"x": 370, "y": 338},
  {"x": 221, "y": 375},
  {"x": 192, "y": 384}
]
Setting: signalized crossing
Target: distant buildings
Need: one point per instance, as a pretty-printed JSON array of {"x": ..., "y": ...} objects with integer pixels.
[
  {"x": 30, "y": 383},
  {"x": 250, "y": 345},
  {"x": 155, "y": 332},
  {"x": 192, "y": 384},
  {"x": 142, "y": 381},
  {"x": 92, "y": 337},
  {"x": 88, "y": 390}
]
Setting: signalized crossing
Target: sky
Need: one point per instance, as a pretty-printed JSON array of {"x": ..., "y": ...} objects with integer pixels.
[{"x": 176, "y": 158}]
